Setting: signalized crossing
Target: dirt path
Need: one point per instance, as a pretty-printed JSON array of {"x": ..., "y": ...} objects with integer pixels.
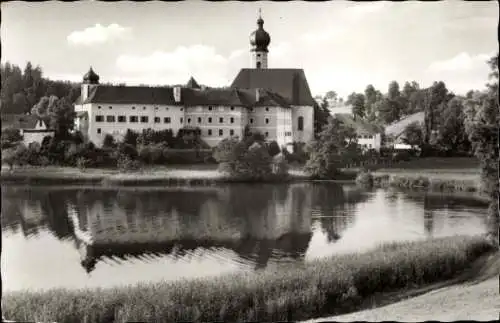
[
  {"x": 476, "y": 299},
  {"x": 477, "y": 302}
]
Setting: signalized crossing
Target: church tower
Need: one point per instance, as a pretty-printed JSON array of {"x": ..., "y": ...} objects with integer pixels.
[
  {"x": 89, "y": 80},
  {"x": 259, "y": 40}
]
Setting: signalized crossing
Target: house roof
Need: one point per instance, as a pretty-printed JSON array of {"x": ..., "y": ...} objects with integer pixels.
[
  {"x": 362, "y": 127},
  {"x": 120, "y": 94},
  {"x": 20, "y": 121},
  {"x": 397, "y": 128},
  {"x": 193, "y": 84},
  {"x": 98, "y": 251},
  {"x": 289, "y": 83},
  {"x": 109, "y": 94}
]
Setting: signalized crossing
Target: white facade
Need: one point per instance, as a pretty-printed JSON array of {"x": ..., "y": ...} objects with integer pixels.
[
  {"x": 370, "y": 141},
  {"x": 258, "y": 59},
  {"x": 216, "y": 121},
  {"x": 37, "y": 134},
  {"x": 116, "y": 119},
  {"x": 303, "y": 123},
  {"x": 96, "y": 120}
]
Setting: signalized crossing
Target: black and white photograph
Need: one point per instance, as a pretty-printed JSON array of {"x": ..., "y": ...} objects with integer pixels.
[{"x": 249, "y": 161}]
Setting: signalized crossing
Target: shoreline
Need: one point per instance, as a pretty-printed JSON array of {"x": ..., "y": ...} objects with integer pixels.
[
  {"x": 428, "y": 181},
  {"x": 157, "y": 176},
  {"x": 206, "y": 176},
  {"x": 335, "y": 285}
]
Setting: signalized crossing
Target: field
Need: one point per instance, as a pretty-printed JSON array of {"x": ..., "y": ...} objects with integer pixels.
[{"x": 329, "y": 286}]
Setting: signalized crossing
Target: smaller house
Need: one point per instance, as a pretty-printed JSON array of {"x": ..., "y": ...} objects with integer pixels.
[
  {"x": 369, "y": 135},
  {"x": 31, "y": 127},
  {"x": 395, "y": 132}
]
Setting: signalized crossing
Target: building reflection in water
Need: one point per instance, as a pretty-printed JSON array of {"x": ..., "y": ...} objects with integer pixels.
[
  {"x": 247, "y": 226},
  {"x": 258, "y": 222}
]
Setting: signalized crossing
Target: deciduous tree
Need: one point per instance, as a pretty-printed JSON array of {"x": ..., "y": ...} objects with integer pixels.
[
  {"x": 483, "y": 134},
  {"x": 330, "y": 150}
]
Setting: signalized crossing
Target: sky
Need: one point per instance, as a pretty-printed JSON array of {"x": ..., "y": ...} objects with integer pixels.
[{"x": 341, "y": 45}]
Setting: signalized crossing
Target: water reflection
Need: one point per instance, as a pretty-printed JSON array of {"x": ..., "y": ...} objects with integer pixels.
[{"x": 125, "y": 236}]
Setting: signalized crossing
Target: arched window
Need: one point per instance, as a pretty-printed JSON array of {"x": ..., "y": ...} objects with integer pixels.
[
  {"x": 258, "y": 64},
  {"x": 300, "y": 124}
]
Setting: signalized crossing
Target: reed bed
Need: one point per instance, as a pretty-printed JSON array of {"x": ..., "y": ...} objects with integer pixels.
[
  {"x": 429, "y": 181},
  {"x": 327, "y": 286}
]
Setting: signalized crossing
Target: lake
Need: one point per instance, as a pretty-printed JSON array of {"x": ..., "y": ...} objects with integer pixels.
[{"x": 95, "y": 237}]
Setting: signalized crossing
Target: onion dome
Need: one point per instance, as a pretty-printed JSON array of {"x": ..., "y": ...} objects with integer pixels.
[
  {"x": 260, "y": 39},
  {"x": 91, "y": 77}
]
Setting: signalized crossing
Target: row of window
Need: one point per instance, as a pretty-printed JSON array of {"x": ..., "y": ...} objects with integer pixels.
[
  {"x": 365, "y": 137},
  {"x": 209, "y": 119},
  {"x": 132, "y": 119},
  {"x": 210, "y": 108},
  {"x": 209, "y": 132},
  {"x": 145, "y": 119}
]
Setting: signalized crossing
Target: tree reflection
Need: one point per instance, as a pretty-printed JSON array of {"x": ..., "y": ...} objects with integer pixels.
[{"x": 255, "y": 221}]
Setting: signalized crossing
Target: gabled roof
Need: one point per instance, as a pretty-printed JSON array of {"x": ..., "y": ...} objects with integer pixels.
[
  {"x": 397, "y": 128},
  {"x": 192, "y": 84},
  {"x": 114, "y": 94},
  {"x": 361, "y": 126},
  {"x": 289, "y": 83},
  {"x": 109, "y": 94},
  {"x": 21, "y": 121}
]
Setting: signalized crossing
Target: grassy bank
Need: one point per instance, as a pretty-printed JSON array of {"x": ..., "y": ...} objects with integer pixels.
[
  {"x": 172, "y": 175},
  {"x": 475, "y": 299},
  {"x": 434, "y": 181},
  {"x": 323, "y": 287}
]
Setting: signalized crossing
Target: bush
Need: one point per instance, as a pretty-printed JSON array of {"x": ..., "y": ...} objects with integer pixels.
[
  {"x": 280, "y": 166},
  {"x": 151, "y": 154},
  {"x": 33, "y": 156},
  {"x": 82, "y": 163},
  {"x": 364, "y": 178},
  {"x": 109, "y": 141},
  {"x": 10, "y": 138},
  {"x": 127, "y": 150},
  {"x": 402, "y": 155},
  {"x": 273, "y": 148},
  {"x": 240, "y": 162},
  {"x": 126, "y": 164}
]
